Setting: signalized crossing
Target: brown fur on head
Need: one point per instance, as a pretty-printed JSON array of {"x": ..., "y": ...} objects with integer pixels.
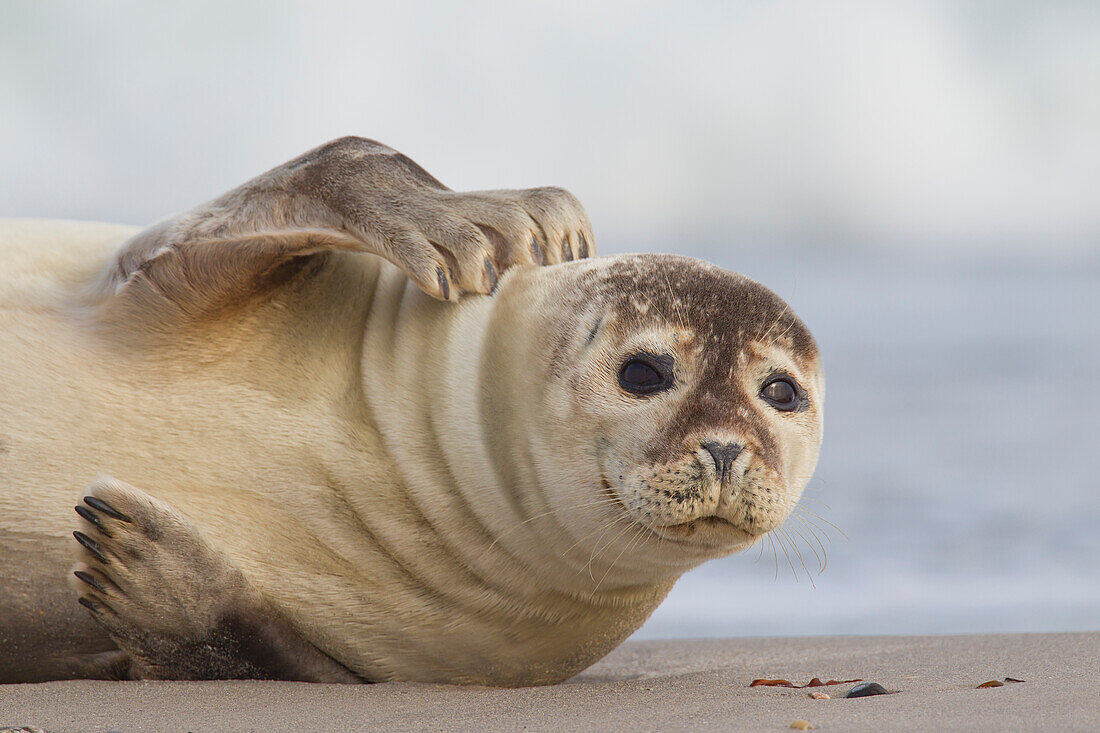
[{"x": 718, "y": 337}]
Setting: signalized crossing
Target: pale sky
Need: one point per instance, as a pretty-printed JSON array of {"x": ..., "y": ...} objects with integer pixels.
[{"x": 897, "y": 124}]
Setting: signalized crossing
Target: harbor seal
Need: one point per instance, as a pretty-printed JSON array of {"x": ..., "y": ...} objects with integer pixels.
[{"x": 309, "y": 469}]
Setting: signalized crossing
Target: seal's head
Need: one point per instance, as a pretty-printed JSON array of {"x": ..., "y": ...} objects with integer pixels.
[{"x": 687, "y": 397}]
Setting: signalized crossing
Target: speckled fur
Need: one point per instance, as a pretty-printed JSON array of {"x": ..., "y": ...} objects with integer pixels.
[{"x": 726, "y": 334}]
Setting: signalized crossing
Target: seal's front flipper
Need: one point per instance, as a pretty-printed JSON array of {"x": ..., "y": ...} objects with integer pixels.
[
  {"x": 351, "y": 194},
  {"x": 179, "y": 608}
]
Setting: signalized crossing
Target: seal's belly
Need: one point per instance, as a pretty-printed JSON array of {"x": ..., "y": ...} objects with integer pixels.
[
  {"x": 71, "y": 407},
  {"x": 326, "y": 502}
]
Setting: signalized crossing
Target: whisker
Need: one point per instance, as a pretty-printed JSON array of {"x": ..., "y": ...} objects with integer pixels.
[
  {"x": 820, "y": 563},
  {"x": 675, "y": 305},
  {"x": 816, "y": 500},
  {"x": 596, "y": 555},
  {"x": 775, "y": 556},
  {"x": 824, "y": 553},
  {"x": 605, "y": 526},
  {"x": 779, "y": 539},
  {"x": 811, "y": 522},
  {"x": 787, "y": 329},
  {"x": 798, "y": 553},
  {"x": 633, "y": 543},
  {"x": 576, "y": 507},
  {"x": 772, "y": 325},
  {"x": 820, "y": 518},
  {"x": 597, "y": 550}
]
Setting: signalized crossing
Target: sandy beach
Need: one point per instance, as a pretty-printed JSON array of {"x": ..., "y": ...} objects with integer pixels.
[{"x": 655, "y": 685}]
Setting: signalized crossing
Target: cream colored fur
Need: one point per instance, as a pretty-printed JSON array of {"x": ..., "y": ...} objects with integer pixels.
[{"x": 387, "y": 469}]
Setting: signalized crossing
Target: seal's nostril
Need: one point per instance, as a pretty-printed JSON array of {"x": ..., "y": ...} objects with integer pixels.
[{"x": 724, "y": 454}]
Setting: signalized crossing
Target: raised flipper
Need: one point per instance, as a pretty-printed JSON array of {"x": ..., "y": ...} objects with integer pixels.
[
  {"x": 350, "y": 194},
  {"x": 177, "y": 607}
]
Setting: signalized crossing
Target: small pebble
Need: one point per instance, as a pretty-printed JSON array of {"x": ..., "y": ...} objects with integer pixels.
[
  {"x": 867, "y": 689},
  {"x": 991, "y": 683},
  {"x": 802, "y": 725},
  {"x": 819, "y": 696}
]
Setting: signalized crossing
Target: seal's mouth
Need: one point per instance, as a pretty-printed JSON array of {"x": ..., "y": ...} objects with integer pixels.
[
  {"x": 710, "y": 531},
  {"x": 711, "y": 521},
  {"x": 707, "y": 530}
]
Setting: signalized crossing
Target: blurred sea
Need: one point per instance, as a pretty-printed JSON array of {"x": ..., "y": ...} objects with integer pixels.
[{"x": 961, "y": 456}]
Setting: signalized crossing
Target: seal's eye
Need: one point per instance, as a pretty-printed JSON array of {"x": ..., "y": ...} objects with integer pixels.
[
  {"x": 644, "y": 374},
  {"x": 782, "y": 393}
]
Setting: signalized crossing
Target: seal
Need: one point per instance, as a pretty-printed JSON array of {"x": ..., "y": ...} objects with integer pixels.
[{"x": 347, "y": 429}]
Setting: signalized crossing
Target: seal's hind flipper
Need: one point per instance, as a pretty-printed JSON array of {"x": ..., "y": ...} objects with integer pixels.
[{"x": 178, "y": 607}]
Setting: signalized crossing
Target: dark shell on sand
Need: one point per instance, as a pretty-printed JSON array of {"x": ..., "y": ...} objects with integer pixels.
[{"x": 867, "y": 689}]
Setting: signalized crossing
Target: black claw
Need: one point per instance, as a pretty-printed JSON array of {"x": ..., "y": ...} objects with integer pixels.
[
  {"x": 583, "y": 246},
  {"x": 491, "y": 273},
  {"x": 106, "y": 508},
  {"x": 444, "y": 286},
  {"x": 536, "y": 251},
  {"x": 87, "y": 604},
  {"x": 566, "y": 250},
  {"x": 91, "y": 546},
  {"x": 90, "y": 580},
  {"x": 93, "y": 518}
]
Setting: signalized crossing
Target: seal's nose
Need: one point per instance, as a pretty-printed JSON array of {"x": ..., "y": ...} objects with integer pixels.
[{"x": 724, "y": 455}]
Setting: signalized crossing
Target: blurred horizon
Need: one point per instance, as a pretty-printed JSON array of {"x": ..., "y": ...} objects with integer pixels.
[{"x": 941, "y": 125}]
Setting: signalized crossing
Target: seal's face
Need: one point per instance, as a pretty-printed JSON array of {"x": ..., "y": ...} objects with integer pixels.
[{"x": 703, "y": 391}]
